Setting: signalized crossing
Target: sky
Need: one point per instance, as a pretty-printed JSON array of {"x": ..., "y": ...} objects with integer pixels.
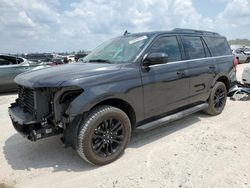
[{"x": 71, "y": 25}]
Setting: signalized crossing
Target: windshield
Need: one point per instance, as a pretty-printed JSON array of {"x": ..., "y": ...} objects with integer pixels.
[{"x": 118, "y": 50}]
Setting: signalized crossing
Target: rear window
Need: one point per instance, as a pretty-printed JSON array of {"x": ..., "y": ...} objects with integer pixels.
[
  {"x": 218, "y": 46},
  {"x": 193, "y": 47}
]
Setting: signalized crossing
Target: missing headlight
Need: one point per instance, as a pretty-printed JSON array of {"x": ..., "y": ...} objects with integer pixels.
[{"x": 68, "y": 96}]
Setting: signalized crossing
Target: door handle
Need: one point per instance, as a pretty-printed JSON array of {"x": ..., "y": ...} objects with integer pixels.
[
  {"x": 182, "y": 73},
  {"x": 212, "y": 67}
]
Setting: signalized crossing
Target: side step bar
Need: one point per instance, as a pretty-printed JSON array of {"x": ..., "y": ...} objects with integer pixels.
[{"x": 170, "y": 118}]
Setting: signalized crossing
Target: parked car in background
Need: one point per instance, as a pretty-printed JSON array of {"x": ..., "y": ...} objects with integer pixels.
[
  {"x": 80, "y": 55},
  {"x": 242, "y": 54},
  {"x": 70, "y": 58},
  {"x": 247, "y": 51},
  {"x": 246, "y": 75},
  {"x": 57, "y": 61},
  {"x": 133, "y": 82},
  {"x": 10, "y": 67},
  {"x": 39, "y": 57}
]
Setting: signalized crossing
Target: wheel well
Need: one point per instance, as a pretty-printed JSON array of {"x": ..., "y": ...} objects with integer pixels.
[
  {"x": 225, "y": 80},
  {"x": 123, "y": 105}
]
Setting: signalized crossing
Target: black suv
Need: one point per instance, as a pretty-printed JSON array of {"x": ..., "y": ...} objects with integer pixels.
[{"x": 133, "y": 82}]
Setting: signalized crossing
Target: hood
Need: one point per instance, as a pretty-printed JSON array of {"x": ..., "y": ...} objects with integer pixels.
[{"x": 56, "y": 76}]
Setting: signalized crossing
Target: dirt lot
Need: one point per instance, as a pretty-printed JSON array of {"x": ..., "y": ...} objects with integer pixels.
[{"x": 197, "y": 151}]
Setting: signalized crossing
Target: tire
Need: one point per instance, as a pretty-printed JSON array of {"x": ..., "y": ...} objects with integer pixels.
[
  {"x": 103, "y": 135},
  {"x": 217, "y": 99}
]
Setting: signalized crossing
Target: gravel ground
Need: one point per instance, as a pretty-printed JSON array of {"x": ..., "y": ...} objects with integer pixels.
[{"x": 197, "y": 151}]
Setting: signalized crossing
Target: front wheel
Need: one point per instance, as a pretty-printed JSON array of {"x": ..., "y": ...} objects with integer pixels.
[
  {"x": 103, "y": 135},
  {"x": 217, "y": 99}
]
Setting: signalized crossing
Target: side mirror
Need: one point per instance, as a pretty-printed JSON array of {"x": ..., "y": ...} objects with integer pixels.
[{"x": 155, "y": 58}]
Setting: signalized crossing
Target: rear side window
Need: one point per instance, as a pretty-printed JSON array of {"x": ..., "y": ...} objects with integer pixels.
[
  {"x": 193, "y": 47},
  {"x": 218, "y": 46},
  {"x": 168, "y": 45}
]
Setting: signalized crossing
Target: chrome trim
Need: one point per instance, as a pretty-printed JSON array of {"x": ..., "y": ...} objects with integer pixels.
[{"x": 190, "y": 60}]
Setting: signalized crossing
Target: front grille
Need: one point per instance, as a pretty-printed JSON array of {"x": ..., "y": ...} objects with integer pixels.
[{"x": 26, "y": 99}]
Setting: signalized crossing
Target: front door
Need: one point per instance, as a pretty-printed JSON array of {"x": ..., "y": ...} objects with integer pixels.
[{"x": 165, "y": 85}]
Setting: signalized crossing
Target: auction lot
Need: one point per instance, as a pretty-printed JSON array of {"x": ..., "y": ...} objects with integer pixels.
[{"x": 197, "y": 151}]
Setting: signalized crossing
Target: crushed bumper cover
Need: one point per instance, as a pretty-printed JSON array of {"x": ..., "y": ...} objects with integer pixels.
[{"x": 26, "y": 126}]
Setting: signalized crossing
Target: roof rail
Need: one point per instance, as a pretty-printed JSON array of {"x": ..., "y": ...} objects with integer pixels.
[{"x": 195, "y": 31}]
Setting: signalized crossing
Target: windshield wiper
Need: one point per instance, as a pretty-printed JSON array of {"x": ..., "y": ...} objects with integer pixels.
[{"x": 99, "y": 60}]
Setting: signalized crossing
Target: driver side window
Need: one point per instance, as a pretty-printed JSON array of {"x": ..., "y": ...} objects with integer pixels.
[{"x": 168, "y": 45}]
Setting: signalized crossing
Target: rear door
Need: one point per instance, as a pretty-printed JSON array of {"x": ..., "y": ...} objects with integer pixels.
[
  {"x": 165, "y": 85},
  {"x": 201, "y": 67}
]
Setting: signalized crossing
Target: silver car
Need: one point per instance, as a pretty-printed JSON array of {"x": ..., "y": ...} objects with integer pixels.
[
  {"x": 10, "y": 67},
  {"x": 242, "y": 54}
]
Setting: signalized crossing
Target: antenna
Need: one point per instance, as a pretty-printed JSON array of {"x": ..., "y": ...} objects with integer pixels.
[{"x": 126, "y": 33}]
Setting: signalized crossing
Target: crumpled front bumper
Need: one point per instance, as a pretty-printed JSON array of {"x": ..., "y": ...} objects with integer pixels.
[
  {"x": 24, "y": 124},
  {"x": 21, "y": 120}
]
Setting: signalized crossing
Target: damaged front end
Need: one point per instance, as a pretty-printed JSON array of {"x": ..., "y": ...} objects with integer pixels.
[{"x": 40, "y": 113}]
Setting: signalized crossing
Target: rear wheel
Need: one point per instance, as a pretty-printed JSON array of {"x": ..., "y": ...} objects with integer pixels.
[
  {"x": 217, "y": 99},
  {"x": 103, "y": 135}
]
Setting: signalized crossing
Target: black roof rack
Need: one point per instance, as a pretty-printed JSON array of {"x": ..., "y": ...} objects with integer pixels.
[{"x": 195, "y": 31}]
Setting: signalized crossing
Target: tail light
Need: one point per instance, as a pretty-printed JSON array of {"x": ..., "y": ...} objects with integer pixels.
[{"x": 235, "y": 62}]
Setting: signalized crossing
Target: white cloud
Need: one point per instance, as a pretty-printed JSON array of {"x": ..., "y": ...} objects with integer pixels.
[
  {"x": 90, "y": 22},
  {"x": 44, "y": 25},
  {"x": 234, "y": 20}
]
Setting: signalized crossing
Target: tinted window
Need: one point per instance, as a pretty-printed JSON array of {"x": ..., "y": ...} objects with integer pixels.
[
  {"x": 168, "y": 45},
  {"x": 9, "y": 60},
  {"x": 193, "y": 47},
  {"x": 3, "y": 61},
  {"x": 218, "y": 46}
]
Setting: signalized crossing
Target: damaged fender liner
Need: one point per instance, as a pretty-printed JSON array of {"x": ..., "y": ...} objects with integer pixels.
[{"x": 33, "y": 130}]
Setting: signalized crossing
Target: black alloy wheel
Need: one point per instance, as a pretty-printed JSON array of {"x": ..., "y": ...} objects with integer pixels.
[
  {"x": 219, "y": 99},
  {"x": 108, "y": 137},
  {"x": 103, "y": 135}
]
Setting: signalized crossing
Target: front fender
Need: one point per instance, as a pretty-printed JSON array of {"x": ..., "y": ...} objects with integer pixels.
[{"x": 91, "y": 97}]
